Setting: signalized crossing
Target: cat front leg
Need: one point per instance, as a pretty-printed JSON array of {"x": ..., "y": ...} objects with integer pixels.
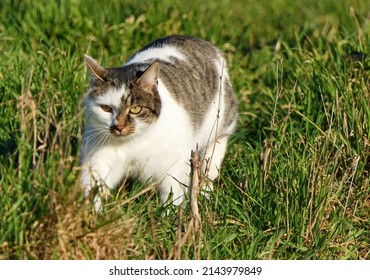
[
  {"x": 97, "y": 181},
  {"x": 92, "y": 186},
  {"x": 174, "y": 186}
]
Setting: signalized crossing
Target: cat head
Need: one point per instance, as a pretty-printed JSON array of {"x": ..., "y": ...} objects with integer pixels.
[{"x": 122, "y": 101}]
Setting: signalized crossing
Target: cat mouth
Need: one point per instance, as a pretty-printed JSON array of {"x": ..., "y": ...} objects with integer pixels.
[{"x": 120, "y": 132}]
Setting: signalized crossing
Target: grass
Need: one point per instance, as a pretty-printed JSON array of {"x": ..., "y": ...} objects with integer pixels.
[{"x": 295, "y": 182}]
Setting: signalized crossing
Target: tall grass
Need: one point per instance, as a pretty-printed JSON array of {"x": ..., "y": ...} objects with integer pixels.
[{"x": 295, "y": 182}]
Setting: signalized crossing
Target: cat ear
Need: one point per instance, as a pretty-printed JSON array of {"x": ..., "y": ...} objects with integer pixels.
[
  {"x": 96, "y": 71},
  {"x": 149, "y": 79}
]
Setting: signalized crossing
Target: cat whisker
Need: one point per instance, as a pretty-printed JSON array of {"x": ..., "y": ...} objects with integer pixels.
[
  {"x": 93, "y": 139},
  {"x": 94, "y": 135},
  {"x": 96, "y": 131},
  {"x": 98, "y": 128},
  {"x": 97, "y": 145},
  {"x": 100, "y": 142}
]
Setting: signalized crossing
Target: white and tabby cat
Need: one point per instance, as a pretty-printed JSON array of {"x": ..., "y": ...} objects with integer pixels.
[{"x": 144, "y": 118}]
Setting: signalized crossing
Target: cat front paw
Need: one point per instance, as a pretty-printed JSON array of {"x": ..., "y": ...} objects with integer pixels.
[
  {"x": 98, "y": 204},
  {"x": 95, "y": 196},
  {"x": 174, "y": 195}
]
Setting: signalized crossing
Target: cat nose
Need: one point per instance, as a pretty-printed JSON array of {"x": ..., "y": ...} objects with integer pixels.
[{"x": 116, "y": 128}]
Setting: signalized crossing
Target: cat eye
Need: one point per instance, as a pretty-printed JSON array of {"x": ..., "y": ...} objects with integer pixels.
[
  {"x": 106, "y": 108},
  {"x": 135, "y": 109}
]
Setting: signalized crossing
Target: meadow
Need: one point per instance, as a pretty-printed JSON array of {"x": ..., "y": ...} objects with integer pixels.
[{"x": 294, "y": 183}]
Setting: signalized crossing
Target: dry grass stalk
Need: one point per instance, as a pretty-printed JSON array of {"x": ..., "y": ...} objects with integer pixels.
[
  {"x": 194, "y": 189},
  {"x": 194, "y": 226}
]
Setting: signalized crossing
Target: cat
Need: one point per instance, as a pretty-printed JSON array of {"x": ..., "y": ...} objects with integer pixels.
[{"x": 143, "y": 119}]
